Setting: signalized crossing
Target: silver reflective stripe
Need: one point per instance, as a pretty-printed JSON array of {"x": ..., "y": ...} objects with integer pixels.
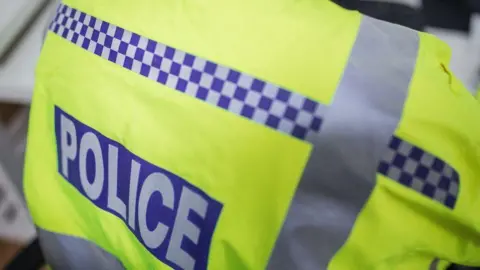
[
  {"x": 68, "y": 252},
  {"x": 434, "y": 264},
  {"x": 341, "y": 171}
]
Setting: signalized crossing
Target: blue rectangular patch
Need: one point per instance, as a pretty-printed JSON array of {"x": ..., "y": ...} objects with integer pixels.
[{"x": 173, "y": 219}]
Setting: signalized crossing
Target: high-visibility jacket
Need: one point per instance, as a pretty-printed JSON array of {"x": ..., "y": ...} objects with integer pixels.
[{"x": 228, "y": 134}]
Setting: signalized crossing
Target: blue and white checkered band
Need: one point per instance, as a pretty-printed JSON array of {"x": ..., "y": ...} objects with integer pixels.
[
  {"x": 421, "y": 171},
  {"x": 252, "y": 98}
]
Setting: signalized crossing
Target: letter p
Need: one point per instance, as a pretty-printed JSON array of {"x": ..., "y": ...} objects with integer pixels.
[{"x": 68, "y": 150}]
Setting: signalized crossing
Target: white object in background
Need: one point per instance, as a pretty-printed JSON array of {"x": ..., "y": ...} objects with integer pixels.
[
  {"x": 17, "y": 74},
  {"x": 15, "y": 14},
  {"x": 475, "y": 48},
  {"x": 15, "y": 222},
  {"x": 17, "y": 130},
  {"x": 417, "y": 4}
]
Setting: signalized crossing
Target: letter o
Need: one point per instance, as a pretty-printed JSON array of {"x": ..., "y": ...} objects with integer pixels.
[{"x": 89, "y": 142}]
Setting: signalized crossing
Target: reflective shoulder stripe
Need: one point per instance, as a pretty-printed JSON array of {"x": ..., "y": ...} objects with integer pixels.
[
  {"x": 357, "y": 128},
  {"x": 68, "y": 252},
  {"x": 354, "y": 144},
  {"x": 242, "y": 94}
]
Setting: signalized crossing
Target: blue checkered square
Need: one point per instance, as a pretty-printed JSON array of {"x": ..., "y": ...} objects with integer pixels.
[
  {"x": 420, "y": 171},
  {"x": 252, "y": 98}
]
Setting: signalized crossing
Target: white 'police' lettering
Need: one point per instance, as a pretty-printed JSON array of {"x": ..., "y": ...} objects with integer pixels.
[{"x": 89, "y": 151}]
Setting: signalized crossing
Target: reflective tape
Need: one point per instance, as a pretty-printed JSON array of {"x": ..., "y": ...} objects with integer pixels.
[
  {"x": 68, "y": 252},
  {"x": 420, "y": 171},
  {"x": 340, "y": 174},
  {"x": 246, "y": 96}
]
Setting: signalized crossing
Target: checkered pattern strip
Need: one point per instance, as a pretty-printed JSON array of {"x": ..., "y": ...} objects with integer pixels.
[
  {"x": 420, "y": 171},
  {"x": 263, "y": 102}
]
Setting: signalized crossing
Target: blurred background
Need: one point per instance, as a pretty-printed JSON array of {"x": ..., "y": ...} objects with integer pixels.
[{"x": 22, "y": 28}]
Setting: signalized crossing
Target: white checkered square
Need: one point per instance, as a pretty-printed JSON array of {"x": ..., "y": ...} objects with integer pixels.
[
  {"x": 278, "y": 108},
  {"x": 172, "y": 81},
  {"x": 304, "y": 119},
  {"x": 228, "y": 89},
  {"x": 213, "y": 97},
  {"x": 206, "y": 80},
  {"x": 270, "y": 91},
  {"x": 199, "y": 64},
  {"x": 185, "y": 72},
  {"x": 253, "y": 98},
  {"x": 153, "y": 74},
  {"x": 286, "y": 126},
  {"x": 191, "y": 89},
  {"x": 221, "y": 73},
  {"x": 260, "y": 116},
  {"x": 235, "y": 106},
  {"x": 178, "y": 57},
  {"x": 166, "y": 65},
  {"x": 245, "y": 81},
  {"x": 142, "y": 43}
]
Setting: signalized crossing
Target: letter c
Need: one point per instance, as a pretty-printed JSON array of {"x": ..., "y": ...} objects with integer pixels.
[{"x": 162, "y": 184}]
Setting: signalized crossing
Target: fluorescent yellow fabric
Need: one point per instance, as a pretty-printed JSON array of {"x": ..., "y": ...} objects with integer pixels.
[
  {"x": 231, "y": 175},
  {"x": 401, "y": 229},
  {"x": 254, "y": 175}
]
